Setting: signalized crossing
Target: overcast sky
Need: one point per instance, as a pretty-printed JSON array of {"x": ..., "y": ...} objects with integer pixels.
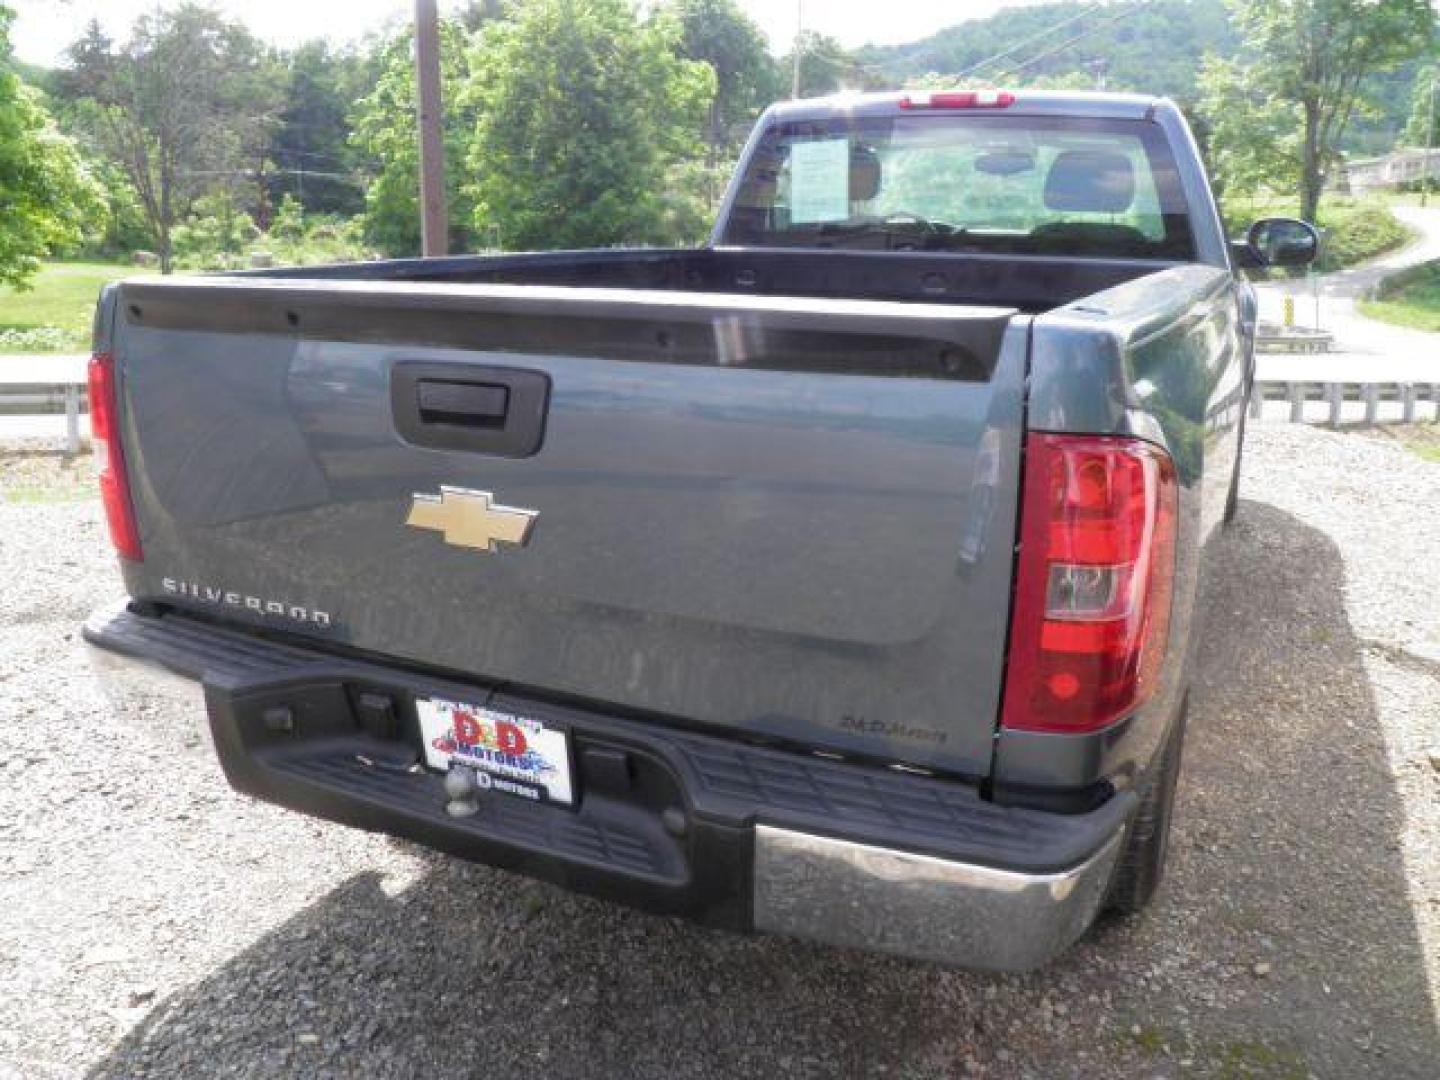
[{"x": 43, "y": 28}]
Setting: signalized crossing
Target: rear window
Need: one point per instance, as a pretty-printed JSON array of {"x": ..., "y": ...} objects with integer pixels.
[{"x": 1011, "y": 184}]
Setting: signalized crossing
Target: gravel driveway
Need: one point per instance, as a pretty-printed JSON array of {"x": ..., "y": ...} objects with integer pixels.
[{"x": 152, "y": 923}]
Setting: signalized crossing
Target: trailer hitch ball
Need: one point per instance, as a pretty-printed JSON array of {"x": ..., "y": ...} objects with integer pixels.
[{"x": 462, "y": 790}]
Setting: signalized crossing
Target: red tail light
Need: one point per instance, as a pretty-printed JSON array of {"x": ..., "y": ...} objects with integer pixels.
[
  {"x": 1093, "y": 582},
  {"x": 959, "y": 99},
  {"x": 114, "y": 484}
]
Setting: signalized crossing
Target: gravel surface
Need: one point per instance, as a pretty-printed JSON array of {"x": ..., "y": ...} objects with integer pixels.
[{"x": 153, "y": 923}]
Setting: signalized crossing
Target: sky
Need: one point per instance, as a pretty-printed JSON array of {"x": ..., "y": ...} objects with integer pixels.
[{"x": 44, "y": 28}]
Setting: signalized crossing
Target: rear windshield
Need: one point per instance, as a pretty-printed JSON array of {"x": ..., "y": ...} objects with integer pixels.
[{"x": 976, "y": 183}]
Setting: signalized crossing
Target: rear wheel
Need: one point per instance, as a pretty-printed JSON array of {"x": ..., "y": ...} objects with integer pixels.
[{"x": 1147, "y": 841}]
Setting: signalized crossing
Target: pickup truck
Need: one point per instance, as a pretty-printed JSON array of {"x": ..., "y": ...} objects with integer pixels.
[{"x": 836, "y": 579}]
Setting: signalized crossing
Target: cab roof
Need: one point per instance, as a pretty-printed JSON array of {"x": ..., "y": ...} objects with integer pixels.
[{"x": 1072, "y": 103}]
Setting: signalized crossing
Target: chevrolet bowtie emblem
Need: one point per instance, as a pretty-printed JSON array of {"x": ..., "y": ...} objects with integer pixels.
[{"x": 471, "y": 518}]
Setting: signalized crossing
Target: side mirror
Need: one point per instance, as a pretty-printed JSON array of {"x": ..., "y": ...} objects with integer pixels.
[{"x": 1277, "y": 242}]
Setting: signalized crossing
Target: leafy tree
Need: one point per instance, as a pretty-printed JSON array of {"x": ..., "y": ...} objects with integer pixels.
[
  {"x": 385, "y": 138},
  {"x": 581, "y": 113},
  {"x": 1423, "y": 127},
  {"x": 826, "y": 67},
  {"x": 310, "y": 148},
  {"x": 1303, "y": 69},
  {"x": 183, "y": 108},
  {"x": 718, "y": 33},
  {"x": 46, "y": 195}
]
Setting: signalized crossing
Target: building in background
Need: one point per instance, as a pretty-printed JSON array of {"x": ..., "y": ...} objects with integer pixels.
[{"x": 1402, "y": 168}]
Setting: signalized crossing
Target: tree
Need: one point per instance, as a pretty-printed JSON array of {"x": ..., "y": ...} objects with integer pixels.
[
  {"x": 310, "y": 147},
  {"x": 46, "y": 196},
  {"x": 827, "y": 68},
  {"x": 1423, "y": 127},
  {"x": 385, "y": 137},
  {"x": 183, "y": 107},
  {"x": 581, "y": 112},
  {"x": 1309, "y": 60},
  {"x": 718, "y": 33}
]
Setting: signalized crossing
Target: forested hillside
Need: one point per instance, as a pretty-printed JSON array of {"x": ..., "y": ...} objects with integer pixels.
[{"x": 1156, "y": 46}]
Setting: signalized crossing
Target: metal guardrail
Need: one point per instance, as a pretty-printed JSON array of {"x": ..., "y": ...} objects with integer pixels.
[
  {"x": 38, "y": 384},
  {"x": 1412, "y": 401}
]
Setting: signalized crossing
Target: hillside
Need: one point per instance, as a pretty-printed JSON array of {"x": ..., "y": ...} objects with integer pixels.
[{"x": 1154, "y": 48}]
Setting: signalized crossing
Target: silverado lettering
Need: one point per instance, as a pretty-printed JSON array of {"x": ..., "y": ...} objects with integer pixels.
[{"x": 930, "y": 437}]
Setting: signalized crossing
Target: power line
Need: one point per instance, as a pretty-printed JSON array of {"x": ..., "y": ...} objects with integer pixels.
[
  {"x": 1123, "y": 13},
  {"x": 1042, "y": 35}
]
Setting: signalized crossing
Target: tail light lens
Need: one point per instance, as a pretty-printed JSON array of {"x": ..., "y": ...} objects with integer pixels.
[
  {"x": 110, "y": 457},
  {"x": 959, "y": 99},
  {"x": 1093, "y": 582}
]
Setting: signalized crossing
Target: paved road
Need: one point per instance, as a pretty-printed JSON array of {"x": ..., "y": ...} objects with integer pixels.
[{"x": 1365, "y": 348}]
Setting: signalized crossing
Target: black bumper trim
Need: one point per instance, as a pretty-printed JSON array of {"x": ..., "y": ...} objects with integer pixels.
[{"x": 615, "y": 845}]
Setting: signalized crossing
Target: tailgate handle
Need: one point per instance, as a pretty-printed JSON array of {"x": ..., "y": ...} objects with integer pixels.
[
  {"x": 471, "y": 407},
  {"x": 475, "y": 404}
]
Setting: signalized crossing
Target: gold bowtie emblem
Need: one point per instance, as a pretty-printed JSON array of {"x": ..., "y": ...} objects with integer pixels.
[{"x": 471, "y": 518}]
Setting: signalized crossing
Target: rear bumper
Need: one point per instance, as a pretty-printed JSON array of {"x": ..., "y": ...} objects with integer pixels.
[{"x": 712, "y": 829}]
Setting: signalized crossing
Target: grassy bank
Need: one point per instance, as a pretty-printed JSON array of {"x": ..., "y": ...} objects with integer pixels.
[
  {"x": 1409, "y": 298},
  {"x": 54, "y": 315},
  {"x": 1355, "y": 229}
]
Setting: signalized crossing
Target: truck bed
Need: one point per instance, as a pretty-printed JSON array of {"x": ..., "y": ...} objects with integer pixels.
[{"x": 1027, "y": 283}]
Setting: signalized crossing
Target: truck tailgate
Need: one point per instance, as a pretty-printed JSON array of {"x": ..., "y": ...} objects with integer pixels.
[{"x": 787, "y": 517}]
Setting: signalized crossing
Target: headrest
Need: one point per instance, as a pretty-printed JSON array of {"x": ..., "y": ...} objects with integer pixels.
[
  {"x": 1090, "y": 181},
  {"x": 864, "y": 173}
]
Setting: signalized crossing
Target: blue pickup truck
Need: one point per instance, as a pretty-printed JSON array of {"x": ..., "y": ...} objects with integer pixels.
[{"x": 834, "y": 579}]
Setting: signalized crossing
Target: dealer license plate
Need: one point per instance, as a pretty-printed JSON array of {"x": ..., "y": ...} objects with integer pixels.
[{"x": 513, "y": 754}]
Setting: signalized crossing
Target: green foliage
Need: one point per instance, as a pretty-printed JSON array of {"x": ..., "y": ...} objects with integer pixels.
[
  {"x": 219, "y": 235},
  {"x": 1423, "y": 126},
  {"x": 310, "y": 149},
  {"x": 46, "y": 195},
  {"x": 182, "y": 107},
  {"x": 581, "y": 110},
  {"x": 826, "y": 67},
  {"x": 54, "y": 314},
  {"x": 718, "y": 33},
  {"x": 1410, "y": 298},
  {"x": 216, "y": 228},
  {"x": 1303, "y": 72},
  {"x": 1155, "y": 48},
  {"x": 1355, "y": 229},
  {"x": 1253, "y": 136},
  {"x": 384, "y": 136}
]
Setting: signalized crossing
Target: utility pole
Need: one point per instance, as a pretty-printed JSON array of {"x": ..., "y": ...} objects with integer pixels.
[
  {"x": 795, "y": 69},
  {"x": 433, "y": 224}
]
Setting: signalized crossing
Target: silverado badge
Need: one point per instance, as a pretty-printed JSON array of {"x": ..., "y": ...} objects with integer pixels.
[{"x": 471, "y": 518}]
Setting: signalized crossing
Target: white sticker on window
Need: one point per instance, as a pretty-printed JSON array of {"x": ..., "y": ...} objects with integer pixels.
[{"x": 819, "y": 181}]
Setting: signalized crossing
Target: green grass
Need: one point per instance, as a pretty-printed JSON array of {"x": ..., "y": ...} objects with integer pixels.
[
  {"x": 1410, "y": 298},
  {"x": 1355, "y": 229},
  {"x": 54, "y": 315}
]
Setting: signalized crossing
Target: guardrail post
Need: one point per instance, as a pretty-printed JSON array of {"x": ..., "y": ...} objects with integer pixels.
[
  {"x": 1336, "y": 397},
  {"x": 1372, "y": 403},
  {"x": 1296, "y": 392},
  {"x": 72, "y": 420},
  {"x": 1257, "y": 401},
  {"x": 1407, "y": 402}
]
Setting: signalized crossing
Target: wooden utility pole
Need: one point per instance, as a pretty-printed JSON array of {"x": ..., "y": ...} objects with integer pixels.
[
  {"x": 799, "y": 29},
  {"x": 434, "y": 226}
]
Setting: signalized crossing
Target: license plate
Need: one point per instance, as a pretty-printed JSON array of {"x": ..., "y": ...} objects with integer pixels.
[{"x": 513, "y": 754}]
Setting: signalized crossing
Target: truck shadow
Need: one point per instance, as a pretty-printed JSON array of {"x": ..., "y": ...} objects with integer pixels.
[{"x": 1286, "y": 856}]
